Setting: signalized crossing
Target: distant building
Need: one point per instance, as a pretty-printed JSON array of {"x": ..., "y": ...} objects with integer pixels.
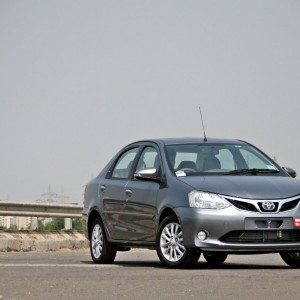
[
  {"x": 23, "y": 222},
  {"x": 13, "y": 221},
  {"x": 20, "y": 223},
  {"x": 4, "y": 222},
  {"x": 7, "y": 221}
]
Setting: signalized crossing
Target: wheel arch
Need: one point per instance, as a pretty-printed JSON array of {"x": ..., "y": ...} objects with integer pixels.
[
  {"x": 167, "y": 211},
  {"x": 92, "y": 216}
]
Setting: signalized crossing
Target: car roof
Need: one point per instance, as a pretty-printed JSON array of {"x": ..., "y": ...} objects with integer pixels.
[{"x": 192, "y": 140}]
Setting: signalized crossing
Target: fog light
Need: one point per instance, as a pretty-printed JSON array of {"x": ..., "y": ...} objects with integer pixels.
[
  {"x": 296, "y": 222},
  {"x": 202, "y": 235}
]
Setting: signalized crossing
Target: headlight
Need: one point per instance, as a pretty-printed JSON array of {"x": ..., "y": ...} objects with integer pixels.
[{"x": 207, "y": 200}]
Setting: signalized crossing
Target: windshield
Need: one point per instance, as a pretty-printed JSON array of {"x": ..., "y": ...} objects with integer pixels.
[{"x": 219, "y": 159}]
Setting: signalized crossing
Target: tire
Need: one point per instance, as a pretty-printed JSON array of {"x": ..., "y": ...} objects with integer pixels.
[
  {"x": 292, "y": 258},
  {"x": 169, "y": 245},
  {"x": 102, "y": 251},
  {"x": 215, "y": 258}
]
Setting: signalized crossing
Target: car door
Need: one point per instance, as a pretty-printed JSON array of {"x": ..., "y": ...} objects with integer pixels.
[
  {"x": 141, "y": 196},
  {"x": 112, "y": 193}
]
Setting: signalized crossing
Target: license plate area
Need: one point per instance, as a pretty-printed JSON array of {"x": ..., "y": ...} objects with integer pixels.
[{"x": 268, "y": 223}]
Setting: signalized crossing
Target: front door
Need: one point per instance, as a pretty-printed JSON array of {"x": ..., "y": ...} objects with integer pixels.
[{"x": 141, "y": 196}]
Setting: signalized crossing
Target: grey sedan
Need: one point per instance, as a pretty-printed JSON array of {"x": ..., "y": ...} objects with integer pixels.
[{"x": 188, "y": 196}]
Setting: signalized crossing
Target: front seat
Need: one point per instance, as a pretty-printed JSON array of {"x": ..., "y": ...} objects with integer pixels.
[
  {"x": 211, "y": 163},
  {"x": 187, "y": 164}
]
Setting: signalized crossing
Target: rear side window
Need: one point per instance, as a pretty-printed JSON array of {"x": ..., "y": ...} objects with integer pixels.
[{"x": 124, "y": 164}]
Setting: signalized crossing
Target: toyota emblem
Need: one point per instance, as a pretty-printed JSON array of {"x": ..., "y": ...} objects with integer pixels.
[{"x": 268, "y": 205}]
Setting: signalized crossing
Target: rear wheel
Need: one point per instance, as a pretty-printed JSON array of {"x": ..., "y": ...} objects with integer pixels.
[
  {"x": 215, "y": 258},
  {"x": 292, "y": 258},
  {"x": 102, "y": 251},
  {"x": 170, "y": 248}
]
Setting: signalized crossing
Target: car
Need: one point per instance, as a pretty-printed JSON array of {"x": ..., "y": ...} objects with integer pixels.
[{"x": 190, "y": 196}]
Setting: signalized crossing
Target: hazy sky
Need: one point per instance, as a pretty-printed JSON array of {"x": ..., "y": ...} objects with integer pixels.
[{"x": 81, "y": 79}]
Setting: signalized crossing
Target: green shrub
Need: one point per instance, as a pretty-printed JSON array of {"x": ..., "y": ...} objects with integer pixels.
[
  {"x": 56, "y": 225},
  {"x": 77, "y": 224}
]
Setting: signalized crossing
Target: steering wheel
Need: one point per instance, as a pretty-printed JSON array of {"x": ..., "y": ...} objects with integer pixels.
[{"x": 188, "y": 170}]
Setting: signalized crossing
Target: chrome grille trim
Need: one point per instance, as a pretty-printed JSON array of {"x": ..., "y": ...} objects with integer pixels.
[{"x": 255, "y": 202}]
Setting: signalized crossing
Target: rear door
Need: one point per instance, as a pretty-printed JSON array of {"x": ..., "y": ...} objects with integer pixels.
[{"x": 112, "y": 193}]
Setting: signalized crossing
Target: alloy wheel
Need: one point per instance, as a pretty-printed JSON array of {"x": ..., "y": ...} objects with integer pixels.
[
  {"x": 97, "y": 241},
  {"x": 171, "y": 242}
]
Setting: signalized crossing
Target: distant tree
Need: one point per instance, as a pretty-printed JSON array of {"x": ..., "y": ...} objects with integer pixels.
[
  {"x": 56, "y": 225},
  {"x": 13, "y": 228},
  {"x": 41, "y": 225}
]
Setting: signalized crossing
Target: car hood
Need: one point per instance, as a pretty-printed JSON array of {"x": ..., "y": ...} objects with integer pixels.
[{"x": 250, "y": 187}]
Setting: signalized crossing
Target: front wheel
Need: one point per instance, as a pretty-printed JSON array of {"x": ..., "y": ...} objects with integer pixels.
[
  {"x": 292, "y": 258},
  {"x": 170, "y": 248},
  {"x": 102, "y": 251},
  {"x": 215, "y": 258}
]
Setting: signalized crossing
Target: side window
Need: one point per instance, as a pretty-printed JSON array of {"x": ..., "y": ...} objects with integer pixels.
[
  {"x": 124, "y": 164},
  {"x": 252, "y": 160},
  {"x": 148, "y": 159}
]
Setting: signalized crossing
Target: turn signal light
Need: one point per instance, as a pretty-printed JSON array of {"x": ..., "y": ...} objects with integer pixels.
[{"x": 296, "y": 222}]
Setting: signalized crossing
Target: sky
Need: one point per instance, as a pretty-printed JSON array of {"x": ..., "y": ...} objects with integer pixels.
[{"x": 81, "y": 79}]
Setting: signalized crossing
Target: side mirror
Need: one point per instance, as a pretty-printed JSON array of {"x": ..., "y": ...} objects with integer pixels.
[
  {"x": 290, "y": 171},
  {"x": 147, "y": 174}
]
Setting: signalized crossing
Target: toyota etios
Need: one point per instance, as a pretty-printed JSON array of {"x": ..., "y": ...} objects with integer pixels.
[{"x": 188, "y": 196}]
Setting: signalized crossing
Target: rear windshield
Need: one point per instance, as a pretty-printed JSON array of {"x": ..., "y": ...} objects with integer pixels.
[{"x": 213, "y": 159}]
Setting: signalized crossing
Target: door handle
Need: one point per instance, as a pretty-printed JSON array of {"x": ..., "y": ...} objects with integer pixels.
[
  {"x": 128, "y": 192},
  {"x": 102, "y": 188}
]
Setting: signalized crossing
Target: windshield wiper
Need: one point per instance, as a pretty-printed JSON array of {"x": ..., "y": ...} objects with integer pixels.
[{"x": 253, "y": 171}]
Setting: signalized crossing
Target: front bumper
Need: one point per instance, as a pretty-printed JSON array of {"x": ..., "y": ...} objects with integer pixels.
[{"x": 266, "y": 232}]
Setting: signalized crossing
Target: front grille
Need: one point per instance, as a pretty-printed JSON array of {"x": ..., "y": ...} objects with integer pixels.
[
  {"x": 289, "y": 205},
  {"x": 276, "y": 204},
  {"x": 257, "y": 206},
  {"x": 242, "y": 205},
  {"x": 262, "y": 236}
]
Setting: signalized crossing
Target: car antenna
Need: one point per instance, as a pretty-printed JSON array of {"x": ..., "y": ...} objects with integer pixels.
[{"x": 205, "y": 138}]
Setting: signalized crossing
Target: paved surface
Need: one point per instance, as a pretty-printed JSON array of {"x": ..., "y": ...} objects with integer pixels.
[{"x": 138, "y": 275}]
